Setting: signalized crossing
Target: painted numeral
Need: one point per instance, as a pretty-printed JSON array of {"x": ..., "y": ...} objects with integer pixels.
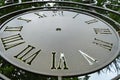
[
  {"x": 13, "y": 28},
  {"x": 61, "y": 62},
  {"x": 75, "y": 16},
  {"x": 12, "y": 41},
  {"x": 26, "y": 54},
  {"x": 57, "y": 13},
  {"x": 40, "y": 15},
  {"x": 90, "y": 60},
  {"x": 103, "y": 44},
  {"x": 91, "y": 21},
  {"x": 27, "y": 20},
  {"x": 102, "y": 31}
]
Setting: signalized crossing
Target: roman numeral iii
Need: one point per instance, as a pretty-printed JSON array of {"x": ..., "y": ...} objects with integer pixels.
[
  {"x": 102, "y": 31},
  {"x": 12, "y": 41},
  {"x": 62, "y": 64},
  {"x": 103, "y": 44},
  {"x": 27, "y": 55}
]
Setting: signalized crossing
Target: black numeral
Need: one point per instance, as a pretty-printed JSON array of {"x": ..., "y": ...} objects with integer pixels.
[
  {"x": 103, "y": 44},
  {"x": 91, "y": 21},
  {"x": 75, "y": 16},
  {"x": 61, "y": 61},
  {"x": 102, "y": 31},
  {"x": 13, "y": 28},
  {"x": 27, "y": 20},
  {"x": 12, "y": 41},
  {"x": 57, "y": 13},
  {"x": 40, "y": 15},
  {"x": 26, "y": 54}
]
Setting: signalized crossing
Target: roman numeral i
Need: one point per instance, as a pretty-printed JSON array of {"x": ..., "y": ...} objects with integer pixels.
[{"x": 91, "y": 21}]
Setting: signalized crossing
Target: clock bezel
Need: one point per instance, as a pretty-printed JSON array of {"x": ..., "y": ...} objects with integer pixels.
[{"x": 66, "y": 10}]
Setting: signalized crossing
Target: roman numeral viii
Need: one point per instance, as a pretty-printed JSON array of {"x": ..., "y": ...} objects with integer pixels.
[
  {"x": 27, "y": 55},
  {"x": 103, "y": 44},
  {"x": 62, "y": 62},
  {"x": 12, "y": 41}
]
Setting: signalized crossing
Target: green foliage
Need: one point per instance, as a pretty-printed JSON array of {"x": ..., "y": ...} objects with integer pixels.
[
  {"x": 72, "y": 78},
  {"x": 2, "y": 2}
]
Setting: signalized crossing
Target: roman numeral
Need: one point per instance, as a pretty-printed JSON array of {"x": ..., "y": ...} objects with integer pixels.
[
  {"x": 57, "y": 13},
  {"x": 61, "y": 62},
  {"x": 12, "y": 41},
  {"x": 13, "y": 28},
  {"x": 75, "y": 16},
  {"x": 102, "y": 31},
  {"x": 40, "y": 15},
  {"x": 90, "y": 60},
  {"x": 103, "y": 44},
  {"x": 91, "y": 21},
  {"x": 22, "y": 19},
  {"x": 27, "y": 55}
]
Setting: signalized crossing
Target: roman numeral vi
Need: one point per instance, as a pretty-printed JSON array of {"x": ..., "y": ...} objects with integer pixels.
[{"x": 61, "y": 63}]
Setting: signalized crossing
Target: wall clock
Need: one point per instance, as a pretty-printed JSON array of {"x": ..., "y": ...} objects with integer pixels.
[{"x": 58, "y": 42}]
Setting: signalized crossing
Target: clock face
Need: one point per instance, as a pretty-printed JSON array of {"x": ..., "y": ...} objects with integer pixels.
[{"x": 58, "y": 42}]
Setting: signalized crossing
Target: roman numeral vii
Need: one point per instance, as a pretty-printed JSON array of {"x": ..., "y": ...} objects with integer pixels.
[{"x": 27, "y": 55}]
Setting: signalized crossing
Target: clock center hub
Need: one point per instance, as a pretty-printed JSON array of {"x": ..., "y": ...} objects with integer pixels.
[{"x": 58, "y": 29}]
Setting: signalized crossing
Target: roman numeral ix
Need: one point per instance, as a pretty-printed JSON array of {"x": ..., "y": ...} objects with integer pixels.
[{"x": 19, "y": 28}]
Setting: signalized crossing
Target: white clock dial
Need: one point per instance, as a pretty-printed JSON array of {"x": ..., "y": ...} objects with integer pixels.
[{"x": 59, "y": 43}]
